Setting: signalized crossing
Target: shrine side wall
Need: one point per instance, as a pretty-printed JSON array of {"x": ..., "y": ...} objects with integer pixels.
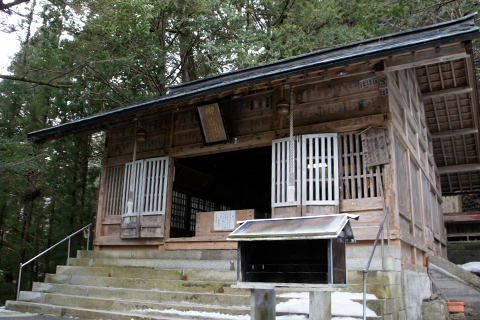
[{"x": 416, "y": 188}]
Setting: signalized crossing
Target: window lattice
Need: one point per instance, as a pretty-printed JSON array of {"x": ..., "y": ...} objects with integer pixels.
[{"x": 179, "y": 210}]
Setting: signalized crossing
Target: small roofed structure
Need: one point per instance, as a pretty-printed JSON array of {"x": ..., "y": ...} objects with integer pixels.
[{"x": 285, "y": 252}]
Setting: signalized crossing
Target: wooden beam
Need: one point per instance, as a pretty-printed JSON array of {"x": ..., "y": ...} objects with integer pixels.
[
  {"x": 446, "y": 92},
  {"x": 462, "y": 217},
  {"x": 435, "y": 55},
  {"x": 459, "y": 168},
  {"x": 454, "y": 133}
]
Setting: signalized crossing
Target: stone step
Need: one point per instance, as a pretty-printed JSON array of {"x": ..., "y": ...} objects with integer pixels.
[
  {"x": 156, "y": 263},
  {"x": 40, "y": 291},
  {"x": 144, "y": 284},
  {"x": 201, "y": 275},
  {"x": 87, "y": 313},
  {"x": 84, "y": 313},
  {"x": 129, "y": 305},
  {"x": 160, "y": 255}
]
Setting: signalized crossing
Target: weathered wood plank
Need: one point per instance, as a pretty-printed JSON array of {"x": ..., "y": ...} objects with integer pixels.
[
  {"x": 354, "y": 205},
  {"x": 426, "y": 57}
]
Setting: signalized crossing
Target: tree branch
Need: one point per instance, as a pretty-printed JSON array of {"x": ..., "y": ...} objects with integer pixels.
[
  {"x": 39, "y": 82},
  {"x": 5, "y": 6}
]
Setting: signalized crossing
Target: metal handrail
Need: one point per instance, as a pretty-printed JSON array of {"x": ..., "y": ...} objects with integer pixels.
[
  {"x": 39, "y": 255},
  {"x": 386, "y": 216}
]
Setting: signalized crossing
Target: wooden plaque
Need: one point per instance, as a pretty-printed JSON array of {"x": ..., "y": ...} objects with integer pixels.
[
  {"x": 374, "y": 146},
  {"x": 212, "y": 123}
]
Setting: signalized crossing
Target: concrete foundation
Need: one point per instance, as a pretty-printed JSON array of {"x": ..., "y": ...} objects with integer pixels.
[
  {"x": 320, "y": 305},
  {"x": 262, "y": 304}
]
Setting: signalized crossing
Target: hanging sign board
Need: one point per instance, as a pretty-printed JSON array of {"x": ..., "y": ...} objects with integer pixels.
[
  {"x": 374, "y": 146},
  {"x": 212, "y": 123},
  {"x": 224, "y": 220}
]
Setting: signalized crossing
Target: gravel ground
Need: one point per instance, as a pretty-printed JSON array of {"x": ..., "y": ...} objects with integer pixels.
[{"x": 470, "y": 314}]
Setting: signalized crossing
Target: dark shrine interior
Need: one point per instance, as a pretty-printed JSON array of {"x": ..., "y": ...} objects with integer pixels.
[{"x": 233, "y": 180}]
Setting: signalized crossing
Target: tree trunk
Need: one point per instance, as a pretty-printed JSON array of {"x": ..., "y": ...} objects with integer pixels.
[
  {"x": 160, "y": 29},
  {"x": 51, "y": 219},
  {"x": 26, "y": 225},
  {"x": 2, "y": 227},
  {"x": 33, "y": 270}
]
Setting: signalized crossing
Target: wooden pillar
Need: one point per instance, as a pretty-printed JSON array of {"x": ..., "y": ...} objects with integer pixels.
[
  {"x": 262, "y": 304},
  {"x": 320, "y": 305}
]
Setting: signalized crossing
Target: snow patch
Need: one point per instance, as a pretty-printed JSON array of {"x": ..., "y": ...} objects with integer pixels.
[
  {"x": 342, "y": 305},
  {"x": 294, "y": 306},
  {"x": 471, "y": 266},
  {"x": 192, "y": 313}
]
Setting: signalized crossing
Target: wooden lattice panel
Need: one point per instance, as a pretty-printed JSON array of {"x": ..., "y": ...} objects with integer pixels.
[
  {"x": 358, "y": 181},
  {"x": 114, "y": 187}
]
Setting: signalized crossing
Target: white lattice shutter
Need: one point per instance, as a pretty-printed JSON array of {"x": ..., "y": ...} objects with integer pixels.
[
  {"x": 152, "y": 219},
  {"x": 130, "y": 222},
  {"x": 280, "y": 172},
  {"x": 155, "y": 186},
  {"x": 320, "y": 169}
]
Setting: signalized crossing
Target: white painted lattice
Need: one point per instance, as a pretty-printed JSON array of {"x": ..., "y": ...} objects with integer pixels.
[
  {"x": 150, "y": 186},
  {"x": 156, "y": 175},
  {"x": 137, "y": 187},
  {"x": 320, "y": 169},
  {"x": 315, "y": 168},
  {"x": 280, "y": 172}
]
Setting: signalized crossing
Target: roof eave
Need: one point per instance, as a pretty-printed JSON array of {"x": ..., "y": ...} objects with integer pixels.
[{"x": 100, "y": 120}]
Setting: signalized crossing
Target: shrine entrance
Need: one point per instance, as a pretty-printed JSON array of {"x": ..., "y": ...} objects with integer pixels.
[{"x": 234, "y": 180}]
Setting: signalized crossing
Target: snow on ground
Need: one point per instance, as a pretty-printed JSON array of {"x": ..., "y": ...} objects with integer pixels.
[
  {"x": 343, "y": 307},
  {"x": 471, "y": 266}
]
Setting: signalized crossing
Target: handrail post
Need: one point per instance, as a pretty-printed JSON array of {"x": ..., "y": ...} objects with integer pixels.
[
  {"x": 68, "y": 253},
  {"x": 88, "y": 237},
  {"x": 19, "y": 280},
  {"x": 383, "y": 248},
  {"x": 41, "y": 254},
  {"x": 364, "y": 294},
  {"x": 388, "y": 226},
  {"x": 381, "y": 232}
]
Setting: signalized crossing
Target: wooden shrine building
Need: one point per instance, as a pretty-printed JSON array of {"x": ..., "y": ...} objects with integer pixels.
[{"x": 390, "y": 121}]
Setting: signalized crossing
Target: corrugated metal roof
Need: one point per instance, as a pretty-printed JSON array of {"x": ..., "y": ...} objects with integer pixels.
[
  {"x": 431, "y": 36},
  {"x": 317, "y": 227}
]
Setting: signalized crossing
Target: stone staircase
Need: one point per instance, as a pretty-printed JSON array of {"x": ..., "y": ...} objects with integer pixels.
[{"x": 193, "y": 284}]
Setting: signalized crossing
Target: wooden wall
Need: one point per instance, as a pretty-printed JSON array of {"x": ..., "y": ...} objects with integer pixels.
[{"x": 414, "y": 178}]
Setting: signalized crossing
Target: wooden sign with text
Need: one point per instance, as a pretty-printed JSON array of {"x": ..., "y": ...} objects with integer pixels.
[
  {"x": 374, "y": 145},
  {"x": 212, "y": 123}
]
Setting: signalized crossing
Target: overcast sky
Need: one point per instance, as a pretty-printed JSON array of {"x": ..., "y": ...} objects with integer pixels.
[
  {"x": 10, "y": 45},
  {"x": 10, "y": 41}
]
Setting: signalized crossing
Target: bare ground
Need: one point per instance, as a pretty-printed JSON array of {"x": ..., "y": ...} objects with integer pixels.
[{"x": 470, "y": 314}]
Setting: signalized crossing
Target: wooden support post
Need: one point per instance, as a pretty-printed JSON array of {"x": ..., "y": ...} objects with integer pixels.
[
  {"x": 320, "y": 305},
  {"x": 262, "y": 304}
]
